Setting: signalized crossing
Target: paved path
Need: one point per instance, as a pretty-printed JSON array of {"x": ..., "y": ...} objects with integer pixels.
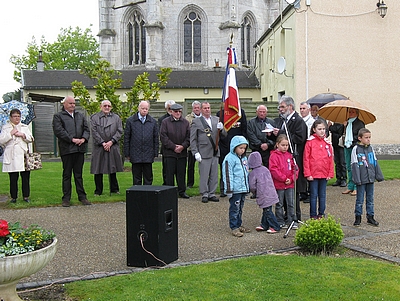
[{"x": 92, "y": 239}]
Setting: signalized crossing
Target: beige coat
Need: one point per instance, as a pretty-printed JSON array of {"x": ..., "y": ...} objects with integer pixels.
[{"x": 14, "y": 147}]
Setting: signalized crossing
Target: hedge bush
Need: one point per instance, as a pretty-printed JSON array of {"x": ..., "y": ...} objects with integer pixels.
[{"x": 319, "y": 236}]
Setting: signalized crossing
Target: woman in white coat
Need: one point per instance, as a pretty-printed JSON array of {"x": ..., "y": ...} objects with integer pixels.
[{"x": 15, "y": 137}]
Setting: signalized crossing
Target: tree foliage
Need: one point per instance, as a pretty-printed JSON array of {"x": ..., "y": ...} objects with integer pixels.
[
  {"x": 74, "y": 49},
  {"x": 108, "y": 81}
]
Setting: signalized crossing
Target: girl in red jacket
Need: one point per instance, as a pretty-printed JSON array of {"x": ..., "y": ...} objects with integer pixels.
[
  {"x": 284, "y": 175},
  {"x": 318, "y": 167}
]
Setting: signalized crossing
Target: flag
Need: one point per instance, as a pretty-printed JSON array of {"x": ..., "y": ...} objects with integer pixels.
[{"x": 230, "y": 93}]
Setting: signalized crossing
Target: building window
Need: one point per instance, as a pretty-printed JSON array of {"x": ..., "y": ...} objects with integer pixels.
[
  {"x": 136, "y": 40},
  {"x": 192, "y": 38},
  {"x": 246, "y": 41}
]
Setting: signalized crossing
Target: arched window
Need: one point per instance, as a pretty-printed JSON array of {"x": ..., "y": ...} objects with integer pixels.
[
  {"x": 192, "y": 38},
  {"x": 136, "y": 40},
  {"x": 246, "y": 41}
]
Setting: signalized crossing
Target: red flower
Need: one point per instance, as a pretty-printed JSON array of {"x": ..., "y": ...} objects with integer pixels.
[{"x": 3, "y": 228}]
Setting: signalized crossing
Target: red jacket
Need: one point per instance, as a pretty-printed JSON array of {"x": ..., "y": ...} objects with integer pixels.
[
  {"x": 282, "y": 167},
  {"x": 318, "y": 158}
]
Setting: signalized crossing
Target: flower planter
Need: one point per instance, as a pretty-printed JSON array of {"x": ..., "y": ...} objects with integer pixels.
[{"x": 14, "y": 268}]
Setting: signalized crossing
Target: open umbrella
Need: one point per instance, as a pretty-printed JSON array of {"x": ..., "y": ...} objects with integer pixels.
[
  {"x": 27, "y": 111},
  {"x": 324, "y": 98},
  {"x": 336, "y": 111}
]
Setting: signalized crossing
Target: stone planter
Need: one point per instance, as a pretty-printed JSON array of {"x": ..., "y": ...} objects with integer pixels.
[{"x": 14, "y": 268}]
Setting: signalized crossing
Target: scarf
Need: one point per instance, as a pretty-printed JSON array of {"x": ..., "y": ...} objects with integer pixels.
[{"x": 348, "y": 140}]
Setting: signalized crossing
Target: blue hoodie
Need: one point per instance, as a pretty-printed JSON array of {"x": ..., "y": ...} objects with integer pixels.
[{"x": 235, "y": 172}]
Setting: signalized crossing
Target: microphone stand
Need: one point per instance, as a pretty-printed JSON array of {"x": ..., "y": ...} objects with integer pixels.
[{"x": 294, "y": 179}]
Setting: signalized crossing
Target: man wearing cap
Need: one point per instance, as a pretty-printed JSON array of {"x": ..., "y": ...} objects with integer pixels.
[{"x": 175, "y": 139}]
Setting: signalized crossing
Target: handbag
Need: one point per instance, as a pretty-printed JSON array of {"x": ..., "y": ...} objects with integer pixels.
[
  {"x": 33, "y": 161},
  {"x": 341, "y": 141}
]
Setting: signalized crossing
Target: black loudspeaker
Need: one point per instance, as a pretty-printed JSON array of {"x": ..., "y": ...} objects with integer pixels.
[{"x": 151, "y": 220}]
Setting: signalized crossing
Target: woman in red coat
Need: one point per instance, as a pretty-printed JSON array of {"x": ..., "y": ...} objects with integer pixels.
[{"x": 318, "y": 167}]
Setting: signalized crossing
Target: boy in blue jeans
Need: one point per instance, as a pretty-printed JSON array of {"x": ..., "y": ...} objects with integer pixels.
[
  {"x": 235, "y": 175},
  {"x": 365, "y": 170}
]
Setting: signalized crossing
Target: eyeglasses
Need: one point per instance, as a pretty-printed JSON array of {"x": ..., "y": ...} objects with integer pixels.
[
  {"x": 177, "y": 111},
  {"x": 107, "y": 106},
  {"x": 282, "y": 107}
]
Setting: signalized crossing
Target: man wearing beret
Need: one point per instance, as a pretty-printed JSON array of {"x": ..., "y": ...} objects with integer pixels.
[{"x": 175, "y": 139}]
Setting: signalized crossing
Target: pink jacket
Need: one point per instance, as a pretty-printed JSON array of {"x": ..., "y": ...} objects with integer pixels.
[
  {"x": 282, "y": 167},
  {"x": 318, "y": 158}
]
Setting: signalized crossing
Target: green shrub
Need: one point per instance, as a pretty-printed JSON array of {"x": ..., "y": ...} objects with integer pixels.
[{"x": 319, "y": 236}]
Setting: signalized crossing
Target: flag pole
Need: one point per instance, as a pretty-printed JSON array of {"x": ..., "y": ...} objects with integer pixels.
[{"x": 223, "y": 95}]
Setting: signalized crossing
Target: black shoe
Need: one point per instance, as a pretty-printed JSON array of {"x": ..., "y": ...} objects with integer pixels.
[
  {"x": 357, "y": 222},
  {"x": 204, "y": 199},
  {"x": 184, "y": 195},
  {"x": 372, "y": 221},
  {"x": 306, "y": 200},
  {"x": 222, "y": 195},
  {"x": 13, "y": 201},
  {"x": 213, "y": 199},
  {"x": 253, "y": 196},
  {"x": 337, "y": 183},
  {"x": 343, "y": 183},
  {"x": 27, "y": 200}
]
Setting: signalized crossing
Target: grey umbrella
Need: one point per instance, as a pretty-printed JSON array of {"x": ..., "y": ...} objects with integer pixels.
[{"x": 324, "y": 98}]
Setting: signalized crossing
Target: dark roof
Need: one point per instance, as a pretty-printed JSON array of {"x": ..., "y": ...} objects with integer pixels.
[{"x": 62, "y": 79}]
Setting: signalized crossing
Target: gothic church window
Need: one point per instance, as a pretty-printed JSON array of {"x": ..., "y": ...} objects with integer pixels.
[
  {"x": 247, "y": 28},
  {"x": 136, "y": 40},
  {"x": 192, "y": 38}
]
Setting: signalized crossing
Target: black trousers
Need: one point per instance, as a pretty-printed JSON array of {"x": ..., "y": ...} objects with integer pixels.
[
  {"x": 98, "y": 181},
  {"x": 142, "y": 173},
  {"x": 191, "y": 161},
  {"x": 26, "y": 188},
  {"x": 73, "y": 163},
  {"x": 340, "y": 163},
  {"x": 176, "y": 168}
]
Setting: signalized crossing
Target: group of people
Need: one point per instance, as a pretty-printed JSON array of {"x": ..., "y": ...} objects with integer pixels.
[{"x": 291, "y": 157}]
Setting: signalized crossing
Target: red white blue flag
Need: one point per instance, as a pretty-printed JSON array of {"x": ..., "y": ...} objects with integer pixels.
[{"x": 230, "y": 94}]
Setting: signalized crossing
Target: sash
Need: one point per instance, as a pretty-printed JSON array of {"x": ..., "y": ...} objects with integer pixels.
[{"x": 207, "y": 130}]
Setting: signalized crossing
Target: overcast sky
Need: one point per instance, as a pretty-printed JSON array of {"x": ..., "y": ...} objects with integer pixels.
[{"x": 21, "y": 20}]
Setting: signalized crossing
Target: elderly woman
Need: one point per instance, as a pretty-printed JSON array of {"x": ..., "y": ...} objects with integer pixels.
[
  {"x": 352, "y": 126},
  {"x": 15, "y": 137}
]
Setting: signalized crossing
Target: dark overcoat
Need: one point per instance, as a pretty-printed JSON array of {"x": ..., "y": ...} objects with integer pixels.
[
  {"x": 141, "y": 141},
  {"x": 106, "y": 128}
]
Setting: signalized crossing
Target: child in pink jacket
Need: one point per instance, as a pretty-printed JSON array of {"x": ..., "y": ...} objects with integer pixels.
[{"x": 318, "y": 167}]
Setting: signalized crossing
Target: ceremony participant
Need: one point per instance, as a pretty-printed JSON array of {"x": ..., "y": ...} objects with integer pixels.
[
  {"x": 203, "y": 135},
  {"x": 365, "y": 170},
  {"x": 238, "y": 128},
  {"x": 337, "y": 131},
  {"x": 72, "y": 131},
  {"x": 318, "y": 167},
  {"x": 167, "y": 105},
  {"x": 306, "y": 115},
  {"x": 262, "y": 142},
  {"x": 235, "y": 174},
  {"x": 106, "y": 158},
  {"x": 297, "y": 136},
  {"x": 15, "y": 137},
  {"x": 191, "y": 161},
  {"x": 175, "y": 139},
  {"x": 141, "y": 143},
  {"x": 352, "y": 126}
]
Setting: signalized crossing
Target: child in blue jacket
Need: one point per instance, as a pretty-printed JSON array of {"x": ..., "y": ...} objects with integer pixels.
[{"x": 235, "y": 175}]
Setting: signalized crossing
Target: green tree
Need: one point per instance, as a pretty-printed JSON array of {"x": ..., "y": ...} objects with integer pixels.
[
  {"x": 108, "y": 81},
  {"x": 12, "y": 95},
  {"x": 74, "y": 49}
]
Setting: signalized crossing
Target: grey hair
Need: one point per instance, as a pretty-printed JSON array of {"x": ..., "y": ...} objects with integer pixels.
[
  {"x": 258, "y": 107},
  {"x": 287, "y": 100},
  {"x": 306, "y": 103},
  {"x": 196, "y": 103},
  {"x": 102, "y": 103},
  {"x": 169, "y": 103}
]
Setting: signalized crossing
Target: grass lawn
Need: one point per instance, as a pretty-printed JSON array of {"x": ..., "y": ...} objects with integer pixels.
[{"x": 265, "y": 277}]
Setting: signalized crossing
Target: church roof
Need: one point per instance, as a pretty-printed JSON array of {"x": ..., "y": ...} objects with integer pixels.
[{"x": 179, "y": 79}]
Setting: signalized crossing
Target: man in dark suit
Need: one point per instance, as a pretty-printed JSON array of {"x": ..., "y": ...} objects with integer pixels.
[
  {"x": 203, "y": 135},
  {"x": 292, "y": 124}
]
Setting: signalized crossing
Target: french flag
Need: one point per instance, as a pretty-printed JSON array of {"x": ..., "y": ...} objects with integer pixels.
[{"x": 230, "y": 93}]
